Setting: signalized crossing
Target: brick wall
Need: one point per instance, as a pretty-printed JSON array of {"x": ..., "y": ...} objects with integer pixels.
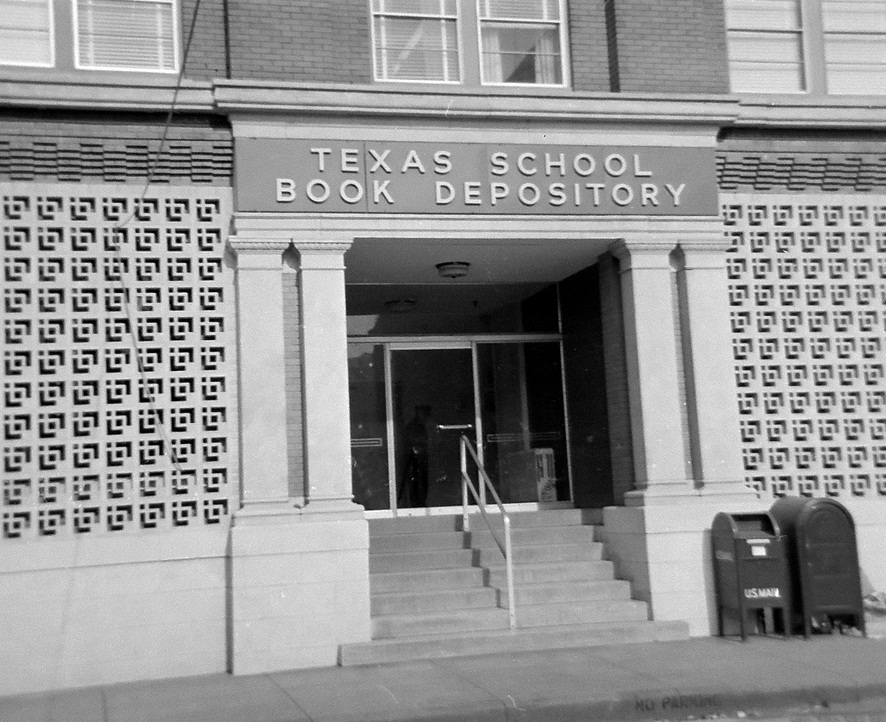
[
  {"x": 207, "y": 55},
  {"x": 588, "y": 46},
  {"x": 617, "y": 401},
  {"x": 300, "y": 40},
  {"x": 673, "y": 47}
]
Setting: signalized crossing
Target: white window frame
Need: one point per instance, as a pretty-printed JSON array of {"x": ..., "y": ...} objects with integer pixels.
[
  {"x": 51, "y": 64},
  {"x": 176, "y": 49},
  {"x": 376, "y": 49},
  {"x": 470, "y": 60},
  {"x": 564, "y": 49},
  {"x": 812, "y": 44}
]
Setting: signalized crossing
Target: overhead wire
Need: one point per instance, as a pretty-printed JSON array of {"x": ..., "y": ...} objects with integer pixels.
[{"x": 118, "y": 235}]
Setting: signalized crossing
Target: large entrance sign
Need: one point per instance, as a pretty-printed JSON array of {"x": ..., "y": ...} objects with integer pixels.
[{"x": 325, "y": 176}]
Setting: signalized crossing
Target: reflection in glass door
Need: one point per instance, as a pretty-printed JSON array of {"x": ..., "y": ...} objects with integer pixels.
[{"x": 411, "y": 402}]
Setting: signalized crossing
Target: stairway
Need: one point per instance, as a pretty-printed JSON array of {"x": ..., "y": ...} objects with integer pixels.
[{"x": 440, "y": 592}]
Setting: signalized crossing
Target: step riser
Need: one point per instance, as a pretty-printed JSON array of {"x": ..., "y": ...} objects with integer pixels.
[
  {"x": 464, "y": 623},
  {"x": 522, "y": 641},
  {"x": 540, "y": 536},
  {"x": 548, "y": 615},
  {"x": 398, "y": 543},
  {"x": 552, "y": 573},
  {"x": 615, "y": 589},
  {"x": 426, "y": 581},
  {"x": 541, "y": 554},
  {"x": 442, "y": 601},
  {"x": 418, "y": 561}
]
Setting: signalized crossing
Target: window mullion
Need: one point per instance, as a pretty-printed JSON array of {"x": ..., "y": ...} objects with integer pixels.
[{"x": 813, "y": 46}]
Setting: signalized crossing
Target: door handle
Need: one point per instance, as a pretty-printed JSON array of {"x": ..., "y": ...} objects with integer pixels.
[{"x": 454, "y": 427}]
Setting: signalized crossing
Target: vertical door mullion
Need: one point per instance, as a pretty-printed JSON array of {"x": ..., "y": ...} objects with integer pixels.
[
  {"x": 389, "y": 413},
  {"x": 478, "y": 420}
]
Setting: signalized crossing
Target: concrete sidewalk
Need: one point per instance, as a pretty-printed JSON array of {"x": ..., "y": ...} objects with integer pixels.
[{"x": 765, "y": 676}]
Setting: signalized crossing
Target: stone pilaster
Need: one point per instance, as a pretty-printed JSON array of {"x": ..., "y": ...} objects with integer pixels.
[
  {"x": 654, "y": 384},
  {"x": 714, "y": 431},
  {"x": 325, "y": 362},
  {"x": 263, "y": 477}
]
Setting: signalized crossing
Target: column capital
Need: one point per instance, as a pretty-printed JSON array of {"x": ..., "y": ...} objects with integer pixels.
[
  {"x": 637, "y": 254},
  {"x": 258, "y": 253},
  {"x": 321, "y": 256},
  {"x": 704, "y": 253}
]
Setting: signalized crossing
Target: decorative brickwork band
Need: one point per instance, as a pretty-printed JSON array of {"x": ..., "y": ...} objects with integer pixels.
[
  {"x": 744, "y": 171},
  {"x": 113, "y": 151}
]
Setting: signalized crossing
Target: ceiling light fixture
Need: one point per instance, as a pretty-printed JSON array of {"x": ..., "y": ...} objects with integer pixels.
[
  {"x": 399, "y": 305},
  {"x": 453, "y": 269}
]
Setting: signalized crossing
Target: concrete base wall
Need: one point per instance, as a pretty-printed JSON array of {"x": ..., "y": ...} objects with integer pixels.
[
  {"x": 870, "y": 531},
  {"x": 300, "y": 588},
  {"x": 101, "y": 610},
  {"x": 665, "y": 551}
]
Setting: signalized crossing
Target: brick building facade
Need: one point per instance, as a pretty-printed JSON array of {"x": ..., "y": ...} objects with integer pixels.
[{"x": 668, "y": 291}]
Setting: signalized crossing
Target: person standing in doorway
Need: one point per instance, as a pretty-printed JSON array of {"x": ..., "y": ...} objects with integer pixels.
[{"x": 414, "y": 489}]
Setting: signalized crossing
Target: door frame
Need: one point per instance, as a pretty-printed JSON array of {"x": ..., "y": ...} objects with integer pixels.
[{"x": 468, "y": 341}]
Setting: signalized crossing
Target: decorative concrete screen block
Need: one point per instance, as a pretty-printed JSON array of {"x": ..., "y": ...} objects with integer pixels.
[
  {"x": 117, "y": 359},
  {"x": 807, "y": 284}
]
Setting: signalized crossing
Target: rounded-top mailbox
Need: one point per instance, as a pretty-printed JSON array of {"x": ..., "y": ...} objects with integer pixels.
[{"x": 825, "y": 576}]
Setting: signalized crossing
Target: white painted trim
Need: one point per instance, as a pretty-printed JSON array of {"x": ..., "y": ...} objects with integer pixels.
[{"x": 176, "y": 43}]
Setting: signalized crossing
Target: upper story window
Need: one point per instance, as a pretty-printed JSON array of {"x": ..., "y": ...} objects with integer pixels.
[
  {"x": 126, "y": 34},
  {"x": 812, "y": 46},
  {"x": 26, "y": 32},
  {"x": 130, "y": 35},
  {"x": 494, "y": 42}
]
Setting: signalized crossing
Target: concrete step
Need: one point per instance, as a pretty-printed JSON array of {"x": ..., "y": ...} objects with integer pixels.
[
  {"x": 540, "y": 518},
  {"x": 587, "y": 612},
  {"x": 529, "y": 536},
  {"x": 520, "y": 640},
  {"x": 550, "y": 572},
  {"x": 415, "y": 524},
  {"x": 456, "y": 621},
  {"x": 421, "y": 560},
  {"x": 437, "y": 601},
  {"x": 567, "y": 592},
  {"x": 492, "y": 557},
  {"x": 425, "y": 581},
  {"x": 393, "y": 543}
]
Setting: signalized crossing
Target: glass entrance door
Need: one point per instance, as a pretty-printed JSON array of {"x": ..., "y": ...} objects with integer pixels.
[
  {"x": 411, "y": 402},
  {"x": 432, "y": 395}
]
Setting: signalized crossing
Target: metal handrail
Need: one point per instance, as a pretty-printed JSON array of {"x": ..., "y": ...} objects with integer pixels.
[{"x": 506, "y": 548}]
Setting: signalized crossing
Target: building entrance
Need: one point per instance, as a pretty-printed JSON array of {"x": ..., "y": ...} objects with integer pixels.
[{"x": 412, "y": 401}]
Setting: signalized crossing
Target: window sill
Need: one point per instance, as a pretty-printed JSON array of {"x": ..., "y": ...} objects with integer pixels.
[{"x": 105, "y": 90}]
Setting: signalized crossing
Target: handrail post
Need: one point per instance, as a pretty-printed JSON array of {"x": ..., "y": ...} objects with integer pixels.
[
  {"x": 509, "y": 563},
  {"x": 464, "y": 483},
  {"x": 480, "y": 498}
]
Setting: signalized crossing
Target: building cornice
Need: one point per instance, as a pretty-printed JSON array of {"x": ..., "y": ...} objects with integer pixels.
[
  {"x": 122, "y": 94},
  {"x": 789, "y": 111},
  {"x": 240, "y": 97}
]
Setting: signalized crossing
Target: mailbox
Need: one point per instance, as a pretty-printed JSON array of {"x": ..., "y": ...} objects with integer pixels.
[
  {"x": 823, "y": 554},
  {"x": 750, "y": 567}
]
